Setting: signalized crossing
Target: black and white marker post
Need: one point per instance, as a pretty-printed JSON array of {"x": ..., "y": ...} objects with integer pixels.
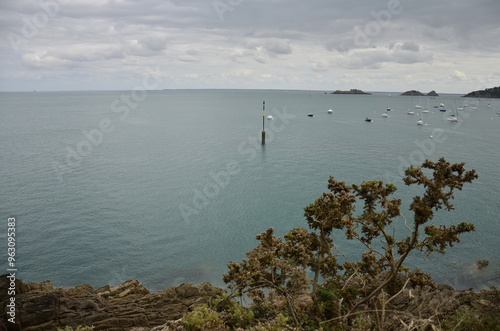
[{"x": 263, "y": 117}]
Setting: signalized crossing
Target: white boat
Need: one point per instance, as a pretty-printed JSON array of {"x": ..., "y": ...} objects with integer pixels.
[
  {"x": 488, "y": 106},
  {"x": 330, "y": 111},
  {"x": 420, "y": 122},
  {"x": 426, "y": 110},
  {"x": 270, "y": 117},
  {"x": 411, "y": 112},
  {"x": 454, "y": 117},
  {"x": 385, "y": 115},
  {"x": 418, "y": 107}
]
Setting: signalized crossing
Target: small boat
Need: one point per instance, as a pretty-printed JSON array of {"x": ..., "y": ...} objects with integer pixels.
[
  {"x": 310, "y": 115},
  {"x": 385, "y": 115},
  {"x": 426, "y": 109},
  {"x": 420, "y": 122},
  {"x": 453, "y": 117},
  {"x": 442, "y": 107},
  {"x": 330, "y": 111},
  {"x": 388, "y": 109},
  {"x": 270, "y": 117},
  {"x": 368, "y": 120},
  {"x": 411, "y": 112},
  {"x": 418, "y": 107},
  {"x": 488, "y": 106}
]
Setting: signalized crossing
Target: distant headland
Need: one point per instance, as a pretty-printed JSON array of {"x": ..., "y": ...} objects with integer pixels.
[
  {"x": 493, "y": 92},
  {"x": 418, "y": 93},
  {"x": 351, "y": 91}
]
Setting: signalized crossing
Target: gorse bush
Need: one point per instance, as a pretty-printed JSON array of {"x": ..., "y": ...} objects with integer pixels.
[{"x": 302, "y": 279}]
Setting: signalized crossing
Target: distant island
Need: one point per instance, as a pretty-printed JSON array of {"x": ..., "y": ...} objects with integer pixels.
[
  {"x": 418, "y": 93},
  {"x": 351, "y": 91},
  {"x": 493, "y": 92}
]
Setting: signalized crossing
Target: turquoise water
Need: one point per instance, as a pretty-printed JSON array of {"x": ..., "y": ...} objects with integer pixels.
[{"x": 167, "y": 187}]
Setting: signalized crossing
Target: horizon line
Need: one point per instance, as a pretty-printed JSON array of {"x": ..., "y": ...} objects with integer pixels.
[{"x": 224, "y": 89}]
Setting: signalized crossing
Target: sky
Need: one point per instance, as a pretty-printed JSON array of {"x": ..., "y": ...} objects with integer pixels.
[{"x": 451, "y": 46}]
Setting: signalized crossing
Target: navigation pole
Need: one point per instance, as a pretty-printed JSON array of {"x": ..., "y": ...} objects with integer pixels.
[{"x": 263, "y": 117}]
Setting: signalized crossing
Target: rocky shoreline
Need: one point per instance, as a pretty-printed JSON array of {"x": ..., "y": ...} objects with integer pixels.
[{"x": 131, "y": 307}]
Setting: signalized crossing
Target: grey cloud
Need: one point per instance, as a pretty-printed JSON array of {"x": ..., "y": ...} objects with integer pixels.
[
  {"x": 376, "y": 58},
  {"x": 271, "y": 45},
  {"x": 410, "y": 46},
  {"x": 258, "y": 36},
  {"x": 155, "y": 44},
  {"x": 277, "y": 46},
  {"x": 188, "y": 58}
]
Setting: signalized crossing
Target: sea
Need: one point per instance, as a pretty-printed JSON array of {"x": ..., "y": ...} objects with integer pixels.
[{"x": 169, "y": 186}]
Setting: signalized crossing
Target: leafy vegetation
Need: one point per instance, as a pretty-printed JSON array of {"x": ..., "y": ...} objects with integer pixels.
[
  {"x": 78, "y": 328},
  {"x": 302, "y": 281}
]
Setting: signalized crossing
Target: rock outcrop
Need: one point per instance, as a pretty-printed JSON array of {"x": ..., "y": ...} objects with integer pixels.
[
  {"x": 413, "y": 92},
  {"x": 418, "y": 93},
  {"x": 493, "y": 92},
  {"x": 129, "y": 306},
  {"x": 351, "y": 91}
]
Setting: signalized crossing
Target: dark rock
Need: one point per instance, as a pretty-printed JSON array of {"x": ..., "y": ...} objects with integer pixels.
[
  {"x": 351, "y": 91},
  {"x": 486, "y": 93},
  {"x": 129, "y": 306},
  {"x": 413, "y": 92}
]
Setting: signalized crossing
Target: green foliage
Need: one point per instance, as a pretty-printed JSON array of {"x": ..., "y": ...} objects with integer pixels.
[
  {"x": 467, "y": 319},
  {"x": 78, "y": 328},
  {"x": 234, "y": 314},
  {"x": 203, "y": 318},
  {"x": 279, "y": 323},
  {"x": 280, "y": 272}
]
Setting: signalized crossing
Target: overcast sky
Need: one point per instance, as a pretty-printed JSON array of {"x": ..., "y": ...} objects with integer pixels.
[{"x": 395, "y": 45}]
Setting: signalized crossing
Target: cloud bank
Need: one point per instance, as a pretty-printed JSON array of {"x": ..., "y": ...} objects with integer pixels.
[{"x": 449, "y": 46}]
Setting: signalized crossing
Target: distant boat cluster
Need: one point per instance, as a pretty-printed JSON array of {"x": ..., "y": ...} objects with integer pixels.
[{"x": 423, "y": 110}]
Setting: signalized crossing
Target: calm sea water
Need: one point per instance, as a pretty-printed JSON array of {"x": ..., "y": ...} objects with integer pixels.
[{"x": 169, "y": 186}]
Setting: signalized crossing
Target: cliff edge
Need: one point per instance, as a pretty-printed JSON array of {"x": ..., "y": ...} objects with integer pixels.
[{"x": 129, "y": 306}]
